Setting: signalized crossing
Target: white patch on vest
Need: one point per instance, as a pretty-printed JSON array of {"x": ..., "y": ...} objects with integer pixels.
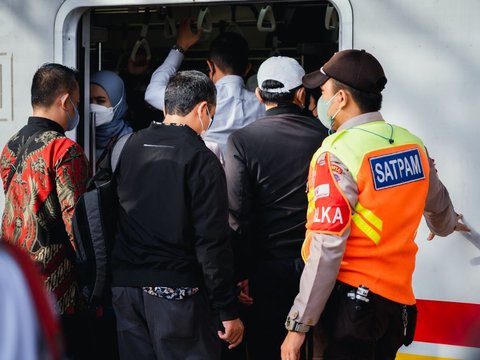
[
  {"x": 396, "y": 169},
  {"x": 328, "y": 214},
  {"x": 322, "y": 191}
]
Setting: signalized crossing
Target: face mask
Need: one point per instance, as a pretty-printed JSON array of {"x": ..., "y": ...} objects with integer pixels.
[
  {"x": 103, "y": 114},
  {"x": 73, "y": 122},
  {"x": 209, "y": 123},
  {"x": 322, "y": 111},
  {"x": 211, "y": 119},
  {"x": 201, "y": 124}
]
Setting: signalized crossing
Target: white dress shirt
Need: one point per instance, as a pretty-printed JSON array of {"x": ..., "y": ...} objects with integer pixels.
[{"x": 236, "y": 106}]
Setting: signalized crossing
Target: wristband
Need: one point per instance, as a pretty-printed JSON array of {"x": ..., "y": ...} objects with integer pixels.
[{"x": 178, "y": 48}]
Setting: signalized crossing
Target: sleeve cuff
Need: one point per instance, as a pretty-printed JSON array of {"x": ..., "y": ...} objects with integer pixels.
[
  {"x": 229, "y": 314},
  {"x": 174, "y": 58}
]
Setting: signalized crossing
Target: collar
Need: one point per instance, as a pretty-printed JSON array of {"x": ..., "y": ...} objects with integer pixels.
[
  {"x": 42, "y": 123},
  {"x": 290, "y": 108},
  {"x": 185, "y": 127},
  {"x": 360, "y": 120},
  {"x": 231, "y": 79}
]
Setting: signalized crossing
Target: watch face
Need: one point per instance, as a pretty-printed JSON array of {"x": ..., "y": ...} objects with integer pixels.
[{"x": 289, "y": 324}]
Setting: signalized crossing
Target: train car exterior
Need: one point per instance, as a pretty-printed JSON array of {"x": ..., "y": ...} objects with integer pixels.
[{"x": 431, "y": 56}]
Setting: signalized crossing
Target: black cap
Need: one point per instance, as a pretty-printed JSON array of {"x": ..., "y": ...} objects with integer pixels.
[{"x": 355, "y": 68}]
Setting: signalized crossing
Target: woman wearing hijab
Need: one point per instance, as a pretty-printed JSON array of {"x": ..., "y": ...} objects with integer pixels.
[{"x": 108, "y": 102}]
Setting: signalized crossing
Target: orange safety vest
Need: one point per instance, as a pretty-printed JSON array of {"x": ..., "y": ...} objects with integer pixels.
[{"x": 392, "y": 181}]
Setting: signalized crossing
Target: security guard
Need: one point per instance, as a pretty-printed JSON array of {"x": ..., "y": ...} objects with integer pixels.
[{"x": 369, "y": 184}]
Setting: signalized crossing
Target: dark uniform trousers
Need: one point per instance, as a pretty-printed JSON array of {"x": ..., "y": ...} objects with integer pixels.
[
  {"x": 150, "y": 327},
  {"x": 365, "y": 330},
  {"x": 274, "y": 284}
]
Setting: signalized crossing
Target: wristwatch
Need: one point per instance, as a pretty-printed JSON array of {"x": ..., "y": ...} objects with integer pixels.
[
  {"x": 178, "y": 48},
  {"x": 292, "y": 325}
]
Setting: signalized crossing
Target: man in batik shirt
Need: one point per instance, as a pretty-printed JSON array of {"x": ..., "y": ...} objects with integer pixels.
[{"x": 43, "y": 174}]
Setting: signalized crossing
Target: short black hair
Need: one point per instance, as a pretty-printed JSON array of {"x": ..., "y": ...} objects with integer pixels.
[
  {"x": 186, "y": 89},
  {"x": 49, "y": 81},
  {"x": 229, "y": 51},
  {"x": 367, "y": 102},
  {"x": 277, "y": 98}
]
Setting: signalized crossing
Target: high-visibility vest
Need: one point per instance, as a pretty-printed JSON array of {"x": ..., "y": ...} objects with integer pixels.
[{"x": 392, "y": 181}]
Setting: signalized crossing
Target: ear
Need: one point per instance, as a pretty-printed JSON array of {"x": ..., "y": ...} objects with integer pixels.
[
  {"x": 257, "y": 94},
  {"x": 201, "y": 108},
  {"x": 64, "y": 101},
  {"x": 300, "y": 96},
  {"x": 211, "y": 66},
  {"x": 343, "y": 97},
  {"x": 247, "y": 69}
]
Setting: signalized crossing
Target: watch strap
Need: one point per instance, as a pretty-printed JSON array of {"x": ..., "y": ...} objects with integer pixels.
[
  {"x": 178, "y": 48},
  {"x": 292, "y": 325}
]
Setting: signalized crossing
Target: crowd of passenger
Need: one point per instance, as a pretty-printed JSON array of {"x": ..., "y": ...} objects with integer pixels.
[{"x": 234, "y": 210}]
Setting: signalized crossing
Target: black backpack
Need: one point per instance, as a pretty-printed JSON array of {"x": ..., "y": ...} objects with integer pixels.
[{"x": 94, "y": 224}]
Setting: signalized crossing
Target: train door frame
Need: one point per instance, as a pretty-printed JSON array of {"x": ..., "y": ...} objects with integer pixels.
[{"x": 73, "y": 12}]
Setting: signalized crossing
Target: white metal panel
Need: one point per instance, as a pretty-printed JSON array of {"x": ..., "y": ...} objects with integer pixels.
[
  {"x": 26, "y": 37},
  {"x": 431, "y": 58}
]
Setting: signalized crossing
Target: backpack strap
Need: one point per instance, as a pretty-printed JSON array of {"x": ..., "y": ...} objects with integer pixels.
[
  {"x": 20, "y": 155},
  {"x": 117, "y": 150}
]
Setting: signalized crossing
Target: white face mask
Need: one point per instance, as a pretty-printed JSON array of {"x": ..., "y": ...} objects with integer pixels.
[
  {"x": 103, "y": 114},
  {"x": 322, "y": 112},
  {"x": 73, "y": 122},
  {"x": 209, "y": 122},
  {"x": 210, "y": 119}
]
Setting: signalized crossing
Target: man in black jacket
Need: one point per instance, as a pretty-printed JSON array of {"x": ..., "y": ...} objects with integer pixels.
[
  {"x": 267, "y": 169},
  {"x": 171, "y": 263}
]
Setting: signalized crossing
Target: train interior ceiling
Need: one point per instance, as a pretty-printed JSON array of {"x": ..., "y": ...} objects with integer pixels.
[{"x": 306, "y": 30}]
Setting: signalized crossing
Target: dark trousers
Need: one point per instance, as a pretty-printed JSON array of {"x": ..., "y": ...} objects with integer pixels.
[
  {"x": 359, "y": 330},
  {"x": 75, "y": 329},
  {"x": 89, "y": 335},
  {"x": 149, "y": 327},
  {"x": 274, "y": 285}
]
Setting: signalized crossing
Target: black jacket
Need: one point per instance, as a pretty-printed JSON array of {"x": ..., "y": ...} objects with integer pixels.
[
  {"x": 267, "y": 169},
  {"x": 173, "y": 217}
]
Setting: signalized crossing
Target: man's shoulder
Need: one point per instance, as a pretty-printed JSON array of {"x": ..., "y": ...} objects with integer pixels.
[
  {"x": 61, "y": 147},
  {"x": 58, "y": 140},
  {"x": 269, "y": 123},
  {"x": 233, "y": 85}
]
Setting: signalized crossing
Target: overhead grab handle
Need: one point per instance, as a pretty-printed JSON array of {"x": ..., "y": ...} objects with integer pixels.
[
  {"x": 169, "y": 29},
  {"x": 141, "y": 42},
  {"x": 331, "y": 18},
  {"x": 233, "y": 26},
  {"x": 204, "y": 22},
  {"x": 266, "y": 13}
]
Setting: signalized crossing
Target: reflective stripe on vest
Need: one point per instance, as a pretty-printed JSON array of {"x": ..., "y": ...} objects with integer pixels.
[
  {"x": 368, "y": 222},
  {"x": 392, "y": 181}
]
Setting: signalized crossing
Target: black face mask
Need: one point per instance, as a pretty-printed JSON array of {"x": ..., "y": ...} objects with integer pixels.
[{"x": 306, "y": 104}]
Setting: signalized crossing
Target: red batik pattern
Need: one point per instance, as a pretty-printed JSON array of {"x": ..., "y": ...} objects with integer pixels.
[{"x": 39, "y": 206}]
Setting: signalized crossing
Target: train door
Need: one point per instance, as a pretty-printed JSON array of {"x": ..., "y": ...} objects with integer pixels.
[{"x": 113, "y": 37}]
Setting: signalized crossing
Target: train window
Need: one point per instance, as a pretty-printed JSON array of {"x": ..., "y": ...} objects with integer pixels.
[{"x": 306, "y": 30}]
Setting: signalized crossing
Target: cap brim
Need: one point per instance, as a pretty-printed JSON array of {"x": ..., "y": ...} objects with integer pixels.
[{"x": 314, "y": 79}]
